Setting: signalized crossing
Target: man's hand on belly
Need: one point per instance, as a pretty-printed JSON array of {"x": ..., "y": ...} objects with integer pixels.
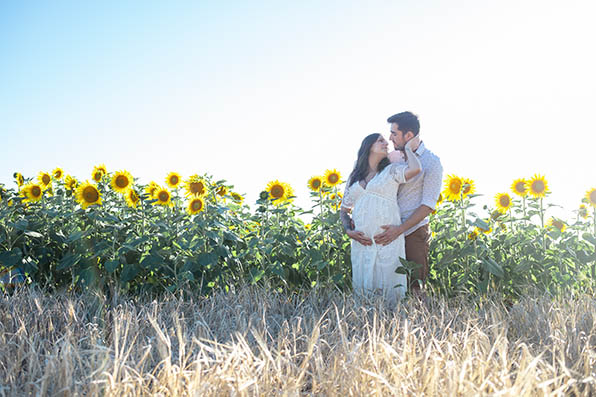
[{"x": 390, "y": 233}]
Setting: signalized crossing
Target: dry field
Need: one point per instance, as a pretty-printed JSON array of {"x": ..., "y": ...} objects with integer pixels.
[{"x": 256, "y": 342}]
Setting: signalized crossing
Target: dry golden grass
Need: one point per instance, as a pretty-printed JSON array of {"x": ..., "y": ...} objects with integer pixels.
[{"x": 256, "y": 342}]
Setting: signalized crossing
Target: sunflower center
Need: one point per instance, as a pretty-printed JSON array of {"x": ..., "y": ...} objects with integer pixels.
[
  {"x": 593, "y": 196},
  {"x": 558, "y": 224},
  {"x": 467, "y": 188},
  {"x": 538, "y": 186},
  {"x": 221, "y": 191},
  {"x": 90, "y": 194},
  {"x": 97, "y": 176},
  {"x": 316, "y": 184},
  {"x": 504, "y": 201},
  {"x": 455, "y": 186},
  {"x": 333, "y": 178},
  {"x": 196, "y": 205},
  {"x": 121, "y": 181},
  {"x": 36, "y": 191},
  {"x": 163, "y": 196},
  {"x": 57, "y": 174},
  {"x": 45, "y": 179},
  {"x": 134, "y": 197},
  {"x": 277, "y": 191},
  {"x": 520, "y": 187},
  {"x": 196, "y": 187},
  {"x": 174, "y": 180}
]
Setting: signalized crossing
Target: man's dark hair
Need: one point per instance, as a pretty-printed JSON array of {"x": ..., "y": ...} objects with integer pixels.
[
  {"x": 406, "y": 121},
  {"x": 361, "y": 167}
]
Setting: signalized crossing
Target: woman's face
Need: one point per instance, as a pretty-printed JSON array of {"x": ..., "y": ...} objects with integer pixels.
[{"x": 380, "y": 146}]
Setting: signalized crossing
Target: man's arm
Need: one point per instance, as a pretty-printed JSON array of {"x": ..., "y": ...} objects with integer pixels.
[
  {"x": 431, "y": 189},
  {"x": 391, "y": 232}
]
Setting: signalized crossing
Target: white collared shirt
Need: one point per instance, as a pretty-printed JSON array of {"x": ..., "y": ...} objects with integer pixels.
[{"x": 423, "y": 189}]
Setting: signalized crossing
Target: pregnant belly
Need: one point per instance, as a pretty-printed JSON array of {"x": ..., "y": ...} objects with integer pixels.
[{"x": 370, "y": 212}]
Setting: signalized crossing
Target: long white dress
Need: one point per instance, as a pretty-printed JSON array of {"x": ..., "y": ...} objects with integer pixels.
[{"x": 373, "y": 267}]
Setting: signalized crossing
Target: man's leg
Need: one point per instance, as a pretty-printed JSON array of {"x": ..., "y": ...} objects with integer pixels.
[{"x": 417, "y": 248}]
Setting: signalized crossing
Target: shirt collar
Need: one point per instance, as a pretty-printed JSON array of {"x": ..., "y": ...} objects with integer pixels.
[{"x": 421, "y": 149}]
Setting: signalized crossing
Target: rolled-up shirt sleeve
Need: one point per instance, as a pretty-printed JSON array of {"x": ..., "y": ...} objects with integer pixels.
[
  {"x": 398, "y": 172},
  {"x": 431, "y": 188}
]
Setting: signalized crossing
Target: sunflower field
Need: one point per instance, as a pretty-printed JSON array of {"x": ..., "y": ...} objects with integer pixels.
[{"x": 197, "y": 234}]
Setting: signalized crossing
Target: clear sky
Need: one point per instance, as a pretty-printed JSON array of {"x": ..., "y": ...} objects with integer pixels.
[{"x": 251, "y": 91}]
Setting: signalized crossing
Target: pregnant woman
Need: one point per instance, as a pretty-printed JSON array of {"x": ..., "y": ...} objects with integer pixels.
[{"x": 371, "y": 197}]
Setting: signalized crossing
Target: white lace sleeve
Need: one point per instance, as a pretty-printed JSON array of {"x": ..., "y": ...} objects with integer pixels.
[
  {"x": 398, "y": 171},
  {"x": 347, "y": 201}
]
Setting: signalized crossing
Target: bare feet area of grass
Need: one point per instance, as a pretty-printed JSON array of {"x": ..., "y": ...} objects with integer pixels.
[{"x": 255, "y": 342}]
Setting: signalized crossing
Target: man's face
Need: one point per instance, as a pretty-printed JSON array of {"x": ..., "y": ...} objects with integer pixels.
[{"x": 397, "y": 137}]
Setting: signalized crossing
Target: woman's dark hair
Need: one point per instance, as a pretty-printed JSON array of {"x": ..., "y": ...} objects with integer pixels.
[{"x": 361, "y": 168}]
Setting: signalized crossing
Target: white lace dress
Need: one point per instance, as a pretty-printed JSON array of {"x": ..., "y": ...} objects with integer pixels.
[{"x": 373, "y": 267}]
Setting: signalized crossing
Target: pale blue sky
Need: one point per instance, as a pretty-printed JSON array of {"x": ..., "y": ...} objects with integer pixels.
[{"x": 262, "y": 90}]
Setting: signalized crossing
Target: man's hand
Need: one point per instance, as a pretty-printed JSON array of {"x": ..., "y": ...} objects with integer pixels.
[
  {"x": 359, "y": 236},
  {"x": 390, "y": 233}
]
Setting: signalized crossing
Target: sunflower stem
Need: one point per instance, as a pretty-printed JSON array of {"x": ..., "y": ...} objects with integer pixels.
[{"x": 542, "y": 225}]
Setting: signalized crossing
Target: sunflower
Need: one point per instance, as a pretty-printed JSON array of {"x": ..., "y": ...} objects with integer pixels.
[
  {"x": 336, "y": 198},
  {"x": 57, "y": 173},
  {"x": 70, "y": 183},
  {"x": 485, "y": 231},
  {"x": 473, "y": 234},
  {"x": 19, "y": 178},
  {"x": 132, "y": 198},
  {"x": 591, "y": 197},
  {"x": 440, "y": 199},
  {"x": 196, "y": 186},
  {"x": 44, "y": 179},
  {"x": 554, "y": 223},
  {"x": 468, "y": 187},
  {"x": 173, "y": 179},
  {"x": 503, "y": 201},
  {"x": 277, "y": 191},
  {"x": 221, "y": 190},
  {"x": 98, "y": 172},
  {"x": 32, "y": 192},
  {"x": 315, "y": 183},
  {"x": 121, "y": 181},
  {"x": 163, "y": 196},
  {"x": 332, "y": 178},
  {"x": 237, "y": 197},
  {"x": 87, "y": 194},
  {"x": 583, "y": 211},
  {"x": 196, "y": 205},
  {"x": 151, "y": 189},
  {"x": 520, "y": 187},
  {"x": 538, "y": 186},
  {"x": 453, "y": 188}
]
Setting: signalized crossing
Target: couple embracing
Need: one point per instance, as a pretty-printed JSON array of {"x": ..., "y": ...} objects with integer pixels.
[{"x": 385, "y": 209}]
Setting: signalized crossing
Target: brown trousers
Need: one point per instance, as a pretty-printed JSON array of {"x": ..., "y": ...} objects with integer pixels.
[{"x": 417, "y": 248}]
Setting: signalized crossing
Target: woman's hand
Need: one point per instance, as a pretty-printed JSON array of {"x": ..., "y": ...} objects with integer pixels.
[
  {"x": 413, "y": 143},
  {"x": 359, "y": 236},
  {"x": 396, "y": 156}
]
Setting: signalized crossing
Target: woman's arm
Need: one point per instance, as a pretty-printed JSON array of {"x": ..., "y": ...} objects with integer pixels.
[{"x": 414, "y": 165}]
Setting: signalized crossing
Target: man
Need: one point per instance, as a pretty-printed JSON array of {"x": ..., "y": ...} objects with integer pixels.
[{"x": 416, "y": 199}]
